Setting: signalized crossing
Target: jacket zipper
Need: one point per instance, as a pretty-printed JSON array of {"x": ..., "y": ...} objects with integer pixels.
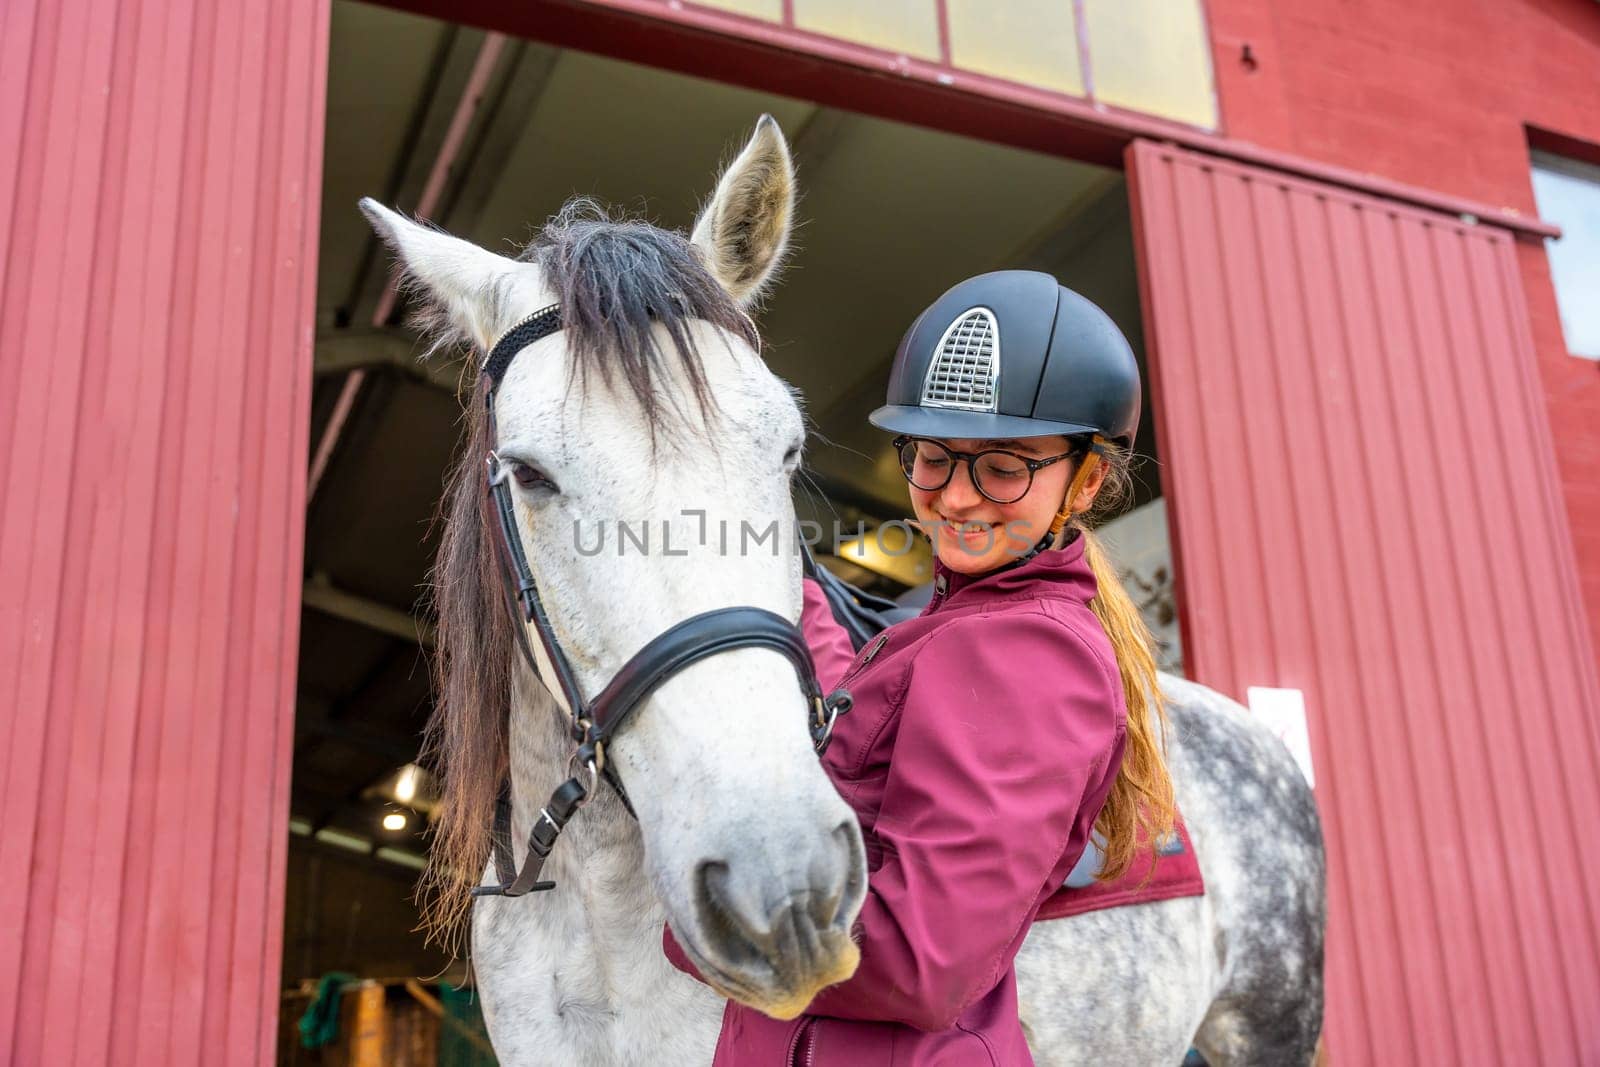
[
  {"x": 867, "y": 654},
  {"x": 874, "y": 647},
  {"x": 800, "y": 1034}
]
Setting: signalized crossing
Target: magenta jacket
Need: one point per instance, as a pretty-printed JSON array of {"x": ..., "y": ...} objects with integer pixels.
[{"x": 984, "y": 740}]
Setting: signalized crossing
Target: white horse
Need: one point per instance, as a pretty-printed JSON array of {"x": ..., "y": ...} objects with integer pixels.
[{"x": 653, "y": 408}]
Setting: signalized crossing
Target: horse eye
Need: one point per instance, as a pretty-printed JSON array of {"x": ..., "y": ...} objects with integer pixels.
[
  {"x": 791, "y": 457},
  {"x": 531, "y": 477}
]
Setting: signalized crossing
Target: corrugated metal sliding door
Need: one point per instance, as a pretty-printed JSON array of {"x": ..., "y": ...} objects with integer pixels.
[
  {"x": 160, "y": 165},
  {"x": 1365, "y": 507}
]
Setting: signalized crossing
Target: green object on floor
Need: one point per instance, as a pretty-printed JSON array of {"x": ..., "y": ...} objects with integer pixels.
[
  {"x": 319, "y": 1026},
  {"x": 455, "y": 1049}
]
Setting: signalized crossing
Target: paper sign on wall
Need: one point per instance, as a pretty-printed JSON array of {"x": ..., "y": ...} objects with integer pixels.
[{"x": 1284, "y": 712}]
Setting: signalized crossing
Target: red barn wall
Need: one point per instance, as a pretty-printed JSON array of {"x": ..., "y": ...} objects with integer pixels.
[
  {"x": 1281, "y": 313},
  {"x": 1439, "y": 94},
  {"x": 160, "y": 166}
]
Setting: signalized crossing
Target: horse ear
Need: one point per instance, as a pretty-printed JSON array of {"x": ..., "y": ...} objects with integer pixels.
[
  {"x": 744, "y": 230},
  {"x": 467, "y": 285}
]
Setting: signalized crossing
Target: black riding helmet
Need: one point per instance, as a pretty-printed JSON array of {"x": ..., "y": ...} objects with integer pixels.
[{"x": 1012, "y": 353}]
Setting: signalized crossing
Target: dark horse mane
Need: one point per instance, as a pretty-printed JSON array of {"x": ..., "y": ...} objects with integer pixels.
[{"x": 622, "y": 284}]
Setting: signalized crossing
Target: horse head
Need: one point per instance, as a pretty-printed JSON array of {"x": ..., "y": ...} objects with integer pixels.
[{"x": 651, "y": 452}]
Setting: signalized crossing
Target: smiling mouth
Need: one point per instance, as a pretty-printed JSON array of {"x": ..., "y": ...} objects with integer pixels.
[{"x": 971, "y": 528}]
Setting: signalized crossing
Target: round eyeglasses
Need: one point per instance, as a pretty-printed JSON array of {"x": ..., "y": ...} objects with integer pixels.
[{"x": 1000, "y": 476}]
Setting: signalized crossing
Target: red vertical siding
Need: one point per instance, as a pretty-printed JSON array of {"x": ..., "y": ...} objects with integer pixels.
[
  {"x": 1442, "y": 94},
  {"x": 1365, "y": 507},
  {"x": 157, "y": 240}
]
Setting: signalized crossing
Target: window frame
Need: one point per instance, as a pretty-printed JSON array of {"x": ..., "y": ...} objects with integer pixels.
[{"x": 1584, "y": 167}]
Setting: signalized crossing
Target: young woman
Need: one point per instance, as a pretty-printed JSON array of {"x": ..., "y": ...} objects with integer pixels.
[{"x": 1019, "y": 713}]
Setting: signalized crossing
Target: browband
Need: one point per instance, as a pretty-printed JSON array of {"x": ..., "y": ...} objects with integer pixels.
[{"x": 535, "y": 327}]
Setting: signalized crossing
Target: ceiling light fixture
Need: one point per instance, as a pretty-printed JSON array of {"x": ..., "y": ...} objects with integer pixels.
[{"x": 394, "y": 821}]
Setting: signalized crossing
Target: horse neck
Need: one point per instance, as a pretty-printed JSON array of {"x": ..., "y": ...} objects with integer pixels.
[
  {"x": 601, "y": 852},
  {"x": 577, "y": 975}
]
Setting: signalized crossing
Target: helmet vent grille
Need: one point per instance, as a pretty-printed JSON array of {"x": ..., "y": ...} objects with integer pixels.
[{"x": 965, "y": 371}]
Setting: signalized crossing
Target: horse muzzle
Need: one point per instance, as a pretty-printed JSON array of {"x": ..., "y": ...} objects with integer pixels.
[{"x": 775, "y": 952}]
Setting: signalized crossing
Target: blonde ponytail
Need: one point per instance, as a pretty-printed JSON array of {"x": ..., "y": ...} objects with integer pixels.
[{"x": 1140, "y": 809}]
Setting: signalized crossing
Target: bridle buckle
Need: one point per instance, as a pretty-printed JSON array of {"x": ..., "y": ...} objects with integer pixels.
[
  {"x": 593, "y": 766},
  {"x": 825, "y": 715}
]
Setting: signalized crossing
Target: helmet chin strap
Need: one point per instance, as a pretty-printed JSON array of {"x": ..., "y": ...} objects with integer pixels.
[
  {"x": 1086, "y": 469},
  {"x": 1054, "y": 538}
]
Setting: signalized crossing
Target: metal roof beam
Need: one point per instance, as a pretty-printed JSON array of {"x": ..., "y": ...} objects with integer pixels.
[
  {"x": 483, "y": 66},
  {"x": 368, "y": 347},
  {"x": 321, "y": 595},
  {"x": 506, "y": 118}
]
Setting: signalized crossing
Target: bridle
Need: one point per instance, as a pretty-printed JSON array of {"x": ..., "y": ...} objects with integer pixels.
[{"x": 593, "y": 723}]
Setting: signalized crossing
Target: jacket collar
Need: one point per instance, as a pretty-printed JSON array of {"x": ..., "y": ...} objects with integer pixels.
[{"x": 1057, "y": 572}]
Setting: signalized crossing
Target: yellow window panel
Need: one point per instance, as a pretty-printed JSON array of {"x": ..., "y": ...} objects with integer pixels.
[
  {"x": 908, "y": 26},
  {"x": 1031, "y": 41},
  {"x": 1152, "y": 56},
  {"x": 771, "y": 10}
]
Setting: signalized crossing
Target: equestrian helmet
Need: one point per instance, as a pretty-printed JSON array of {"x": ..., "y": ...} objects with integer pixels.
[{"x": 1012, "y": 353}]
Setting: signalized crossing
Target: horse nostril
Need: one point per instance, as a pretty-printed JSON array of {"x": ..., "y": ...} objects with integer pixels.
[
  {"x": 720, "y": 916},
  {"x": 711, "y": 883},
  {"x": 828, "y": 879},
  {"x": 847, "y": 882},
  {"x": 847, "y": 839}
]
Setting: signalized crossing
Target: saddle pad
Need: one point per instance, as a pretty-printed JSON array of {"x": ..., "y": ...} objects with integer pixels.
[{"x": 1177, "y": 874}]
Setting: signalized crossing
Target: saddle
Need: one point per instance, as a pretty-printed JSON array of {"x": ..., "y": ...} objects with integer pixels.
[{"x": 1170, "y": 871}]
